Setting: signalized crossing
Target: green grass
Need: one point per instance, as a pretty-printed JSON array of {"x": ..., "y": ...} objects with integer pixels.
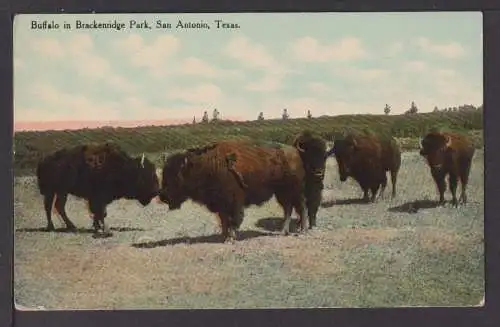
[{"x": 31, "y": 146}]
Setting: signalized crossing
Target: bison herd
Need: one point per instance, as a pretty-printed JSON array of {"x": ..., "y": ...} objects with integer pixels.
[{"x": 228, "y": 176}]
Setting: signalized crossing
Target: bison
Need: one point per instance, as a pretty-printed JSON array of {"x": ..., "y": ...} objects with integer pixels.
[
  {"x": 367, "y": 158},
  {"x": 228, "y": 176},
  {"x": 98, "y": 173},
  {"x": 448, "y": 154},
  {"x": 312, "y": 150}
]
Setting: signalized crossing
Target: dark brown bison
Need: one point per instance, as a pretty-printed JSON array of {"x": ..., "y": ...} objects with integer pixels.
[
  {"x": 367, "y": 158},
  {"x": 448, "y": 154},
  {"x": 312, "y": 150},
  {"x": 98, "y": 173},
  {"x": 228, "y": 176}
]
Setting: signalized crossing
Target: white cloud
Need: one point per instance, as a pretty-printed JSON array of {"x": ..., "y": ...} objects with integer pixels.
[
  {"x": 414, "y": 66},
  {"x": 152, "y": 56},
  {"x": 309, "y": 49},
  {"x": 18, "y": 63},
  {"x": 250, "y": 53},
  {"x": 268, "y": 83},
  {"x": 362, "y": 74},
  {"x": 53, "y": 104},
  {"x": 196, "y": 66},
  {"x": 48, "y": 47},
  {"x": 81, "y": 54},
  {"x": 395, "y": 48},
  {"x": 317, "y": 87},
  {"x": 208, "y": 94},
  {"x": 450, "y": 50}
]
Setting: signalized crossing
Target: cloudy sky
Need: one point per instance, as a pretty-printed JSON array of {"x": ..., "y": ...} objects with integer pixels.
[{"x": 329, "y": 63}]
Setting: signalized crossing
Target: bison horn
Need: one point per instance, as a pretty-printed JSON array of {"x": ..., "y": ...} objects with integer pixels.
[
  {"x": 421, "y": 142},
  {"x": 448, "y": 141},
  {"x": 354, "y": 143},
  {"x": 142, "y": 160}
]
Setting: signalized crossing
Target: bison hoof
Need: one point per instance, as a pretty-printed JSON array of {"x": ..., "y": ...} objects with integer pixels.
[
  {"x": 71, "y": 229},
  {"x": 229, "y": 240},
  {"x": 285, "y": 232},
  {"x": 49, "y": 228}
]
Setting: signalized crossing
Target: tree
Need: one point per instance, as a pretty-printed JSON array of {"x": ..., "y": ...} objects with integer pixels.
[
  {"x": 387, "y": 109},
  {"x": 194, "y": 120},
  {"x": 436, "y": 109},
  {"x": 261, "y": 116},
  {"x": 215, "y": 115},
  {"x": 413, "y": 108},
  {"x": 285, "y": 114},
  {"x": 205, "y": 117},
  {"x": 309, "y": 115}
]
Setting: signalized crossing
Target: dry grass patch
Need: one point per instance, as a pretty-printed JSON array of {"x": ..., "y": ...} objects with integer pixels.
[
  {"x": 95, "y": 277},
  {"x": 435, "y": 239},
  {"x": 355, "y": 237}
]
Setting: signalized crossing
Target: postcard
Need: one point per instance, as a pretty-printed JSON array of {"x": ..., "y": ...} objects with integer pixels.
[{"x": 263, "y": 160}]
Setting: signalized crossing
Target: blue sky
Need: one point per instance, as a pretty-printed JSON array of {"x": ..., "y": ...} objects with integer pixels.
[{"x": 330, "y": 63}]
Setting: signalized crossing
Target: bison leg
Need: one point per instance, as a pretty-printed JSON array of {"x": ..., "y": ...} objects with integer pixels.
[
  {"x": 300, "y": 208},
  {"x": 374, "y": 190},
  {"x": 394, "y": 178},
  {"x": 441, "y": 184},
  {"x": 61, "y": 209},
  {"x": 99, "y": 211},
  {"x": 313, "y": 201},
  {"x": 224, "y": 223},
  {"x": 283, "y": 199},
  {"x": 228, "y": 232},
  {"x": 453, "y": 180},
  {"x": 366, "y": 197},
  {"x": 464, "y": 179},
  {"x": 383, "y": 185},
  {"x": 47, "y": 203}
]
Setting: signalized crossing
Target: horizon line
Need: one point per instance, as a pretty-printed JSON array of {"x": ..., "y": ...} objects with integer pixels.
[{"x": 61, "y": 125}]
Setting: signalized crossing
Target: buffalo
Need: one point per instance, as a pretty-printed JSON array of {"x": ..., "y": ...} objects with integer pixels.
[
  {"x": 228, "y": 176},
  {"x": 100, "y": 174},
  {"x": 367, "y": 158},
  {"x": 312, "y": 150},
  {"x": 448, "y": 154}
]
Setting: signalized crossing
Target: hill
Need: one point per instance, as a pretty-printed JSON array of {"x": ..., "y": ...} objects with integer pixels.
[{"x": 32, "y": 145}]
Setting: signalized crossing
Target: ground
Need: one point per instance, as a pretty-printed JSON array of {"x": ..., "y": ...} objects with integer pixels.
[{"x": 401, "y": 252}]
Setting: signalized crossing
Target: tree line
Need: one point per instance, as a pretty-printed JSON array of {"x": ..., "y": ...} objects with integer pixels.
[{"x": 387, "y": 110}]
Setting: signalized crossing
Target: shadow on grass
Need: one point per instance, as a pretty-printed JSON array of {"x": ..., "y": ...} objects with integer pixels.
[
  {"x": 414, "y": 206},
  {"x": 78, "y": 230},
  {"x": 214, "y": 238},
  {"x": 275, "y": 224},
  {"x": 340, "y": 202}
]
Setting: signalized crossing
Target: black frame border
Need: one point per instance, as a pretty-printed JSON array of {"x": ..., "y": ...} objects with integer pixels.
[{"x": 475, "y": 316}]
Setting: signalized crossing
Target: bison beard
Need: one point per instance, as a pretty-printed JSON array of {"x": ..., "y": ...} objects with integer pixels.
[
  {"x": 448, "y": 154},
  {"x": 98, "y": 173},
  {"x": 229, "y": 176}
]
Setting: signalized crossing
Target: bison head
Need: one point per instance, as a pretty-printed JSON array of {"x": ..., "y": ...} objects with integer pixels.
[
  {"x": 434, "y": 147},
  {"x": 344, "y": 151},
  {"x": 312, "y": 151},
  {"x": 146, "y": 184},
  {"x": 173, "y": 191}
]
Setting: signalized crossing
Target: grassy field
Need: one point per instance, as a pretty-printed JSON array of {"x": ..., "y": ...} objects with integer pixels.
[
  {"x": 401, "y": 252},
  {"x": 31, "y": 146}
]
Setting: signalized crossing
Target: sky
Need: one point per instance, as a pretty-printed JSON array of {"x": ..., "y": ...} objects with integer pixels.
[{"x": 328, "y": 63}]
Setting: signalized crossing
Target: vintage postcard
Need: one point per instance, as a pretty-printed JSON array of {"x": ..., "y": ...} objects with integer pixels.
[{"x": 264, "y": 160}]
